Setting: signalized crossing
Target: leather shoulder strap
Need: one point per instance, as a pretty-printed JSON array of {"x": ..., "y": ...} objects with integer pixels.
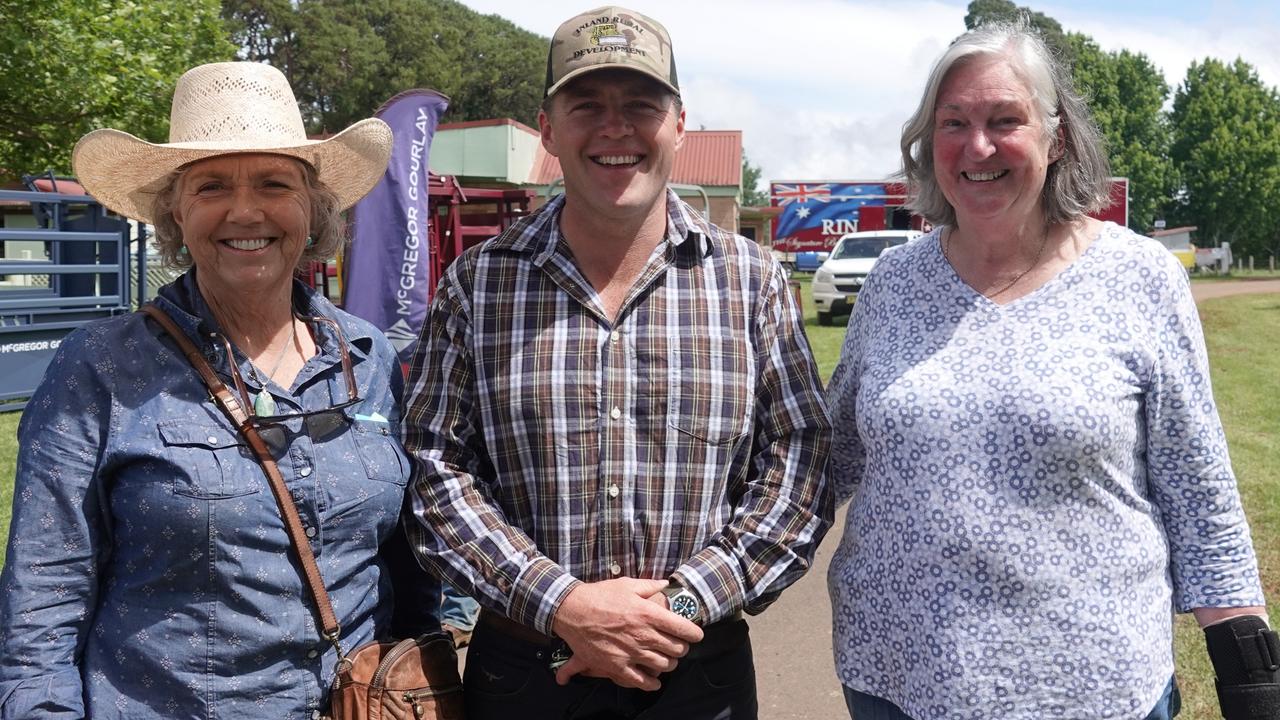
[{"x": 235, "y": 410}]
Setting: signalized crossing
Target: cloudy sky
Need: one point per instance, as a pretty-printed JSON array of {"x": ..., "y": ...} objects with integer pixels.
[{"x": 821, "y": 88}]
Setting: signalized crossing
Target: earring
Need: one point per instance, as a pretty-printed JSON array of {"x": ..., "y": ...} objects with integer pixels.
[
  {"x": 310, "y": 241},
  {"x": 182, "y": 250}
]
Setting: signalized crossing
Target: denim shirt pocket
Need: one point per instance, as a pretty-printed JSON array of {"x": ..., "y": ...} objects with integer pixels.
[
  {"x": 209, "y": 461},
  {"x": 380, "y": 451}
]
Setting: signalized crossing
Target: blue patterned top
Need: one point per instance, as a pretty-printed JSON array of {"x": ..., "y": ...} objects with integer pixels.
[
  {"x": 1035, "y": 487},
  {"x": 149, "y": 575}
]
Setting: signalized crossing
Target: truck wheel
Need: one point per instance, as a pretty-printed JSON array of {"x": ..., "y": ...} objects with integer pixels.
[{"x": 824, "y": 318}]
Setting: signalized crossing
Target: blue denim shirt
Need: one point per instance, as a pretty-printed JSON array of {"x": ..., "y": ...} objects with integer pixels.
[{"x": 149, "y": 574}]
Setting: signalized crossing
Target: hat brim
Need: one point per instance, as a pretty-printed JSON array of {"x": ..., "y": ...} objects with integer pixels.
[
  {"x": 124, "y": 172},
  {"x": 579, "y": 72}
]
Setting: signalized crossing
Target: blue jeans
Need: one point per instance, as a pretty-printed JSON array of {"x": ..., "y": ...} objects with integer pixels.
[
  {"x": 457, "y": 609},
  {"x": 869, "y": 707}
]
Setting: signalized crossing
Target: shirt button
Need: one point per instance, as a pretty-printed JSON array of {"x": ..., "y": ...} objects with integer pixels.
[
  {"x": 613, "y": 491},
  {"x": 311, "y": 532},
  {"x": 615, "y": 568},
  {"x": 313, "y": 653},
  {"x": 615, "y": 413},
  {"x": 614, "y": 336},
  {"x": 212, "y": 440},
  {"x": 304, "y": 472}
]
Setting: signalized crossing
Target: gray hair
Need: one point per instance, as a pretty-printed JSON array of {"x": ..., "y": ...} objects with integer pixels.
[
  {"x": 1076, "y": 184},
  {"x": 327, "y": 228}
]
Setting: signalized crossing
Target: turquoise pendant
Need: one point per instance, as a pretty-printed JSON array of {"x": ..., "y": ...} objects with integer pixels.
[{"x": 264, "y": 404}]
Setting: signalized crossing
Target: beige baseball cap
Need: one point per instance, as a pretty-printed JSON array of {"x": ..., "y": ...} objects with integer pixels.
[{"x": 610, "y": 37}]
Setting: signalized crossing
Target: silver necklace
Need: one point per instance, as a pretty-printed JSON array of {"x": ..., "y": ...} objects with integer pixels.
[
  {"x": 264, "y": 404},
  {"x": 1044, "y": 240}
]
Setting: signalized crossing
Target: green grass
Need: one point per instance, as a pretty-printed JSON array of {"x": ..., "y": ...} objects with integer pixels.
[
  {"x": 8, "y": 462},
  {"x": 1243, "y": 334},
  {"x": 825, "y": 340}
]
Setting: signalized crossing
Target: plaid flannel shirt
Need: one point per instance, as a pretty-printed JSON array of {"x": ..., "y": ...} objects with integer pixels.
[{"x": 552, "y": 446}]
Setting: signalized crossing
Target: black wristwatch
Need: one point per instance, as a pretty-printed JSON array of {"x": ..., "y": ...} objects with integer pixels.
[{"x": 681, "y": 601}]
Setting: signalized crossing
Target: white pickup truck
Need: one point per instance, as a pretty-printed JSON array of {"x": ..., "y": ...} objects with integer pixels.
[{"x": 837, "y": 282}]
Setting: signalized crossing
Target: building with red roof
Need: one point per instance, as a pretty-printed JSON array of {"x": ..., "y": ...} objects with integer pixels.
[{"x": 707, "y": 171}]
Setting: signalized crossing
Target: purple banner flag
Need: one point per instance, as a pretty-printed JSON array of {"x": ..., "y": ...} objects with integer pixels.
[{"x": 388, "y": 266}]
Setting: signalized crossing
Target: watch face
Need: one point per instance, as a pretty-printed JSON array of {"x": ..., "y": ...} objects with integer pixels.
[{"x": 685, "y": 605}]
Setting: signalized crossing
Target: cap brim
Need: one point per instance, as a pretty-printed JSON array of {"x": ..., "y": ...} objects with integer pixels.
[
  {"x": 124, "y": 172},
  {"x": 579, "y": 72}
]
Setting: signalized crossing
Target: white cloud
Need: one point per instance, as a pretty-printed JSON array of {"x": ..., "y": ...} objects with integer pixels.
[
  {"x": 821, "y": 88},
  {"x": 1172, "y": 44}
]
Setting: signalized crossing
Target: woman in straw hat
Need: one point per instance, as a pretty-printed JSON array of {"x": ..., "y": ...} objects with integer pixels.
[{"x": 148, "y": 571}]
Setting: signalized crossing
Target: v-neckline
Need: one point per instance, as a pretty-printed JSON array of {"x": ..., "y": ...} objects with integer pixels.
[{"x": 1052, "y": 281}]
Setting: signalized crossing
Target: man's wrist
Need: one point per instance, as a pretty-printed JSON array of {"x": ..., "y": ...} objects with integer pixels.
[
  {"x": 684, "y": 602},
  {"x": 535, "y": 598}
]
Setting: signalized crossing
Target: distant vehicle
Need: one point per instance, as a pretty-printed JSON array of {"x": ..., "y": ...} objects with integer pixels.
[
  {"x": 1178, "y": 241},
  {"x": 809, "y": 261},
  {"x": 813, "y": 214},
  {"x": 837, "y": 282}
]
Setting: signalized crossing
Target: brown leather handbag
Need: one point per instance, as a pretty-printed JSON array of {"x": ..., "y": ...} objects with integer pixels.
[{"x": 411, "y": 679}]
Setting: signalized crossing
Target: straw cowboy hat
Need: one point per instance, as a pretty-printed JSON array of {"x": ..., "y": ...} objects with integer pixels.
[{"x": 221, "y": 109}]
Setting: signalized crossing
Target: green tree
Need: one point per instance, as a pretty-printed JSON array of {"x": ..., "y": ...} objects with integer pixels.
[
  {"x": 984, "y": 11},
  {"x": 752, "y": 194},
  {"x": 265, "y": 30},
  {"x": 346, "y": 57},
  {"x": 1226, "y": 130},
  {"x": 1126, "y": 95},
  {"x": 70, "y": 66}
]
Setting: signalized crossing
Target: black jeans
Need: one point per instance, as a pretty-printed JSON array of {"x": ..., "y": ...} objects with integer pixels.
[{"x": 507, "y": 678}]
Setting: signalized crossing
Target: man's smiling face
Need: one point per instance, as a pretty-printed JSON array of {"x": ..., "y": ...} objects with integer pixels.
[{"x": 616, "y": 133}]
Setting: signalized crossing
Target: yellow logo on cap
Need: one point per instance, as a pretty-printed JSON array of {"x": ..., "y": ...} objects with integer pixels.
[{"x": 608, "y": 34}]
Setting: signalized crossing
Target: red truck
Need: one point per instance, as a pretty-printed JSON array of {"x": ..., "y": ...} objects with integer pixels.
[{"x": 816, "y": 213}]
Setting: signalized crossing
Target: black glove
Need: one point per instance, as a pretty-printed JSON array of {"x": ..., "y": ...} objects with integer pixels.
[{"x": 1246, "y": 659}]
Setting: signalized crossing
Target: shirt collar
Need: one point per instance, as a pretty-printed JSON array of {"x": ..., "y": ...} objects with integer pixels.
[
  {"x": 539, "y": 234},
  {"x": 184, "y": 303}
]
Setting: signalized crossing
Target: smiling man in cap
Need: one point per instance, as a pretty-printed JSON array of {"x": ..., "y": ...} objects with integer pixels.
[{"x": 617, "y": 430}]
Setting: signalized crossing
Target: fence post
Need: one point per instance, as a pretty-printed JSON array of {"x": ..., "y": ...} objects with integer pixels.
[
  {"x": 1271, "y": 263},
  {"x": 1250, "y": 263}
]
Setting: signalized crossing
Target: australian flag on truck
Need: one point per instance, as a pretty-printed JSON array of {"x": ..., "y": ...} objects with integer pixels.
[{"x": 814, "y": 215}]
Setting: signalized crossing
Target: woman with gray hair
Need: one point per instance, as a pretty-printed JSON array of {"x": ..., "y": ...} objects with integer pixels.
[
  {"x": 149, "y": 573},
  {"x": 1026, "y": 432}
]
